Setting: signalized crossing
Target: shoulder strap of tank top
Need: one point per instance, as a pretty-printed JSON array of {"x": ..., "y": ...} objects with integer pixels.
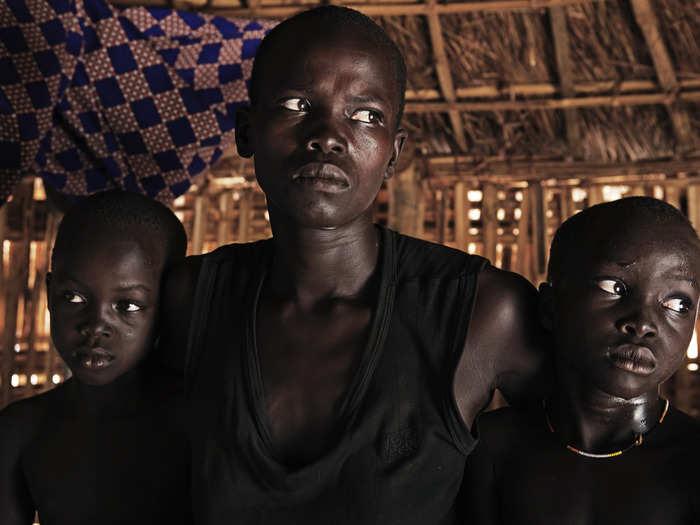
[
  {"x": 200, "y": 311},
  {"x": 463, "y": 438}
]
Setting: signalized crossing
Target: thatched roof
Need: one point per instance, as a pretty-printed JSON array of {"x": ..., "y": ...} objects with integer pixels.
[{"x": 584, "y": 80}]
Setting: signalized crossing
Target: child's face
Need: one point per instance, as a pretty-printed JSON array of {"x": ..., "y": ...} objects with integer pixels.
[
  {"x": 324, "y": 131},
  {"x": 624, "y": 316},
  {"x": 103, "y": 299}
]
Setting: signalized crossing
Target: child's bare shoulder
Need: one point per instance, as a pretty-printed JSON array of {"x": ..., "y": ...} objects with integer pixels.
[
  {"x": 507, "y": 429},
  {"x": 679, "y": 432},
  {"x": 21, "y": 419}
]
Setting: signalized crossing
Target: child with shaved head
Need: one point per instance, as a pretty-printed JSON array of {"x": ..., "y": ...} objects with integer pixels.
[
  {"x": 105, "y": 447},
  {"x": 621, "y": 302}
]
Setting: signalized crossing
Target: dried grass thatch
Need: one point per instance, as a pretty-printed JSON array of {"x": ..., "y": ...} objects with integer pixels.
[
  {"x": 626, "y": 134},
  {"x": 606, "y": 44},
  {"x": 411, "y": 35},
  {"x": 680, "y": 25},
  {"x": 510, "y": 48}
]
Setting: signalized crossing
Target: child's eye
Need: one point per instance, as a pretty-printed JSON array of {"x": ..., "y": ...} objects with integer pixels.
[
  {"x": 74, "y": 298},
  {"x": 612, "y": 286},
  {"x": 366, "y": 115},
  {"x": 677, "y": 305},
  {"x": 127, "y": 306},
  {"x": 296, "y": 104}
]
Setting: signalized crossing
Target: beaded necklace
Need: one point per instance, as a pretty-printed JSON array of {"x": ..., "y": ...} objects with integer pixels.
[{"x": 637, "y": 442}]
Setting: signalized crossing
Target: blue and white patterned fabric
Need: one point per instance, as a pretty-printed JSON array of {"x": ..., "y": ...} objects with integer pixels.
[{"x": 93, "y": 96}]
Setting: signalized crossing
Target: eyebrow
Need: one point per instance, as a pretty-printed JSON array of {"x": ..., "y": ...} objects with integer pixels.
[
  {"x": 682, "y": 277},
  {"x": 130, "y": 287},
  {"x": 122, "y": 288},
  {"x": 359, "y": 99}
]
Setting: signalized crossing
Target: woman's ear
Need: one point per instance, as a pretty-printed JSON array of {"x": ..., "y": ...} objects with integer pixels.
[
  {"x": 399, "y": 140},
  {"x": 244, "y": 144},
  {"x": 545, "y": 307}
]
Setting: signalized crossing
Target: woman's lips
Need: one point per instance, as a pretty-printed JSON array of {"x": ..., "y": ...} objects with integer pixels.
[
  {"x": 93, "y": 358},
  {"x": 322, "y": 176},
  {"x": 633, "y": 358}
]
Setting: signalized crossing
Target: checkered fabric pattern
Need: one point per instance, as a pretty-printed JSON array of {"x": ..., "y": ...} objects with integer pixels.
[{"x": 93, "y": 96}]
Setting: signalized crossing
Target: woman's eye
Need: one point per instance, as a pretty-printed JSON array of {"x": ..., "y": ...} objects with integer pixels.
[
  {"x": 128, "y": 306},
  {"x": 677, "y": 305},
  {"x": 612, "y": 286},
  {"x": 74, "y": 298},
  {"x": 366, "y": 115},
  {"x": 296, "y": 104}
]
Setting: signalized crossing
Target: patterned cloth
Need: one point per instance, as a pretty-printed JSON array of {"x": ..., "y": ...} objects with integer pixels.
[{"x": 93, "y": 96}]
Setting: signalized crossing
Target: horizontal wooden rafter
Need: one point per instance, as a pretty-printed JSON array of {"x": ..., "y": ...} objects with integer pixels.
[
  {"x": 638, "y": 99},
  {"x": 374, "y": 9},
  {"x": 514, "y": 90},
  {"x": 457, "y": 168}
]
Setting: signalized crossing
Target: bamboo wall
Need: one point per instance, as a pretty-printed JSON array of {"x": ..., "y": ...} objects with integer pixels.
[{"x": 509, "y": 221}]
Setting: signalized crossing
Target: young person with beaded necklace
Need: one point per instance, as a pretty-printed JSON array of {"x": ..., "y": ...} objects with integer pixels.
[{"x": 621, "y": 302}]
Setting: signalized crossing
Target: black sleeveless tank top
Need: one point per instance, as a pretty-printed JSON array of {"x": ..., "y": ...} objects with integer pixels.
[{"x": 401, "y": 444}]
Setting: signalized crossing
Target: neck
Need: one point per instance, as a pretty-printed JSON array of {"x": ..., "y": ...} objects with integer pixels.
[
  {"x": 118, "y": 395},
  {"x": 595, "y": 421},
  {"x": 311, "y": 264}
]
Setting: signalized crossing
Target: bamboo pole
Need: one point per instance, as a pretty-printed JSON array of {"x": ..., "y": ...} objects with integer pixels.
[
  {"x": 200, "y": 225},
  {"x": 19, "y": 257},
  {"x": 244, "y": 208},
  {"x": 672, "y": 195},
  {"x": 440, "y": 219},
  {"x": 225, "y": 224},
  {"x": 537, "y": 205},
  {"x": 639, "y": 99},
  {"x": 637, "y": 190},
  {"x": 694, "y": 206},
  {"x": 566, "y": 203},
  {"x": 560, "y": 34},
  {"x": 373, "y": 9},
  {"x": 404, "y": 200},
  {"x": 595, "y": 195},
  {"x": 510, "y": 91},
  {"x": 442, "y": 68},
  {"x": 488, "y": 220},
  {"x": 450, "y": 169},
  {"x": 524, "y": 259},
  {"x": 420, "y": 227},
  {"x": 648, "y": 22},
  {"x": 52, "y": 221},
  {"x": 459, "y": 217}
]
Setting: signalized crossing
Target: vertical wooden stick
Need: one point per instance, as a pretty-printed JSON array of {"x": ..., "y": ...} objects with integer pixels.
[
  {"x": 693, "y": 205},
  {"x": 459, "y": 217},
  {"x": 538, "y": 230},
  {"x": 244, "y": 214},
  {"x": 224, "y": 227},
  {"x": 672, "y": 195},
  {"x": 524, "y": 260},
  {"x": 489, "y": 221},
  {"x": 200, "y": 225}
]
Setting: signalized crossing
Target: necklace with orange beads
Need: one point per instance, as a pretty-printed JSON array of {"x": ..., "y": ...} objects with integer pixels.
[{"x": 637, "y": 442}]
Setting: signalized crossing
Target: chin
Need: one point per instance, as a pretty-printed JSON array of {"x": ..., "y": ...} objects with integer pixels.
[{"x": 627, "y": 387}]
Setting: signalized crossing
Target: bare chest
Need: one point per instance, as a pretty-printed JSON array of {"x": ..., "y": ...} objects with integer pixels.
[
  {"x": 580, "y": 491},
  {"x": 308, "y": 363}
]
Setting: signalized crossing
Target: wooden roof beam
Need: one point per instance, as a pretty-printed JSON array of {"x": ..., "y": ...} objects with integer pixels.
[
  {"x": 456, "y": 168},
  {"x": 444, "y": 75},
  {"x": 539, "y": 89},
  {"x": 636, "y": 99},
  {"x": 560, "y": 34},
  {"x": 649, "y": 24},
  {"x": 370, "y": 9}
]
